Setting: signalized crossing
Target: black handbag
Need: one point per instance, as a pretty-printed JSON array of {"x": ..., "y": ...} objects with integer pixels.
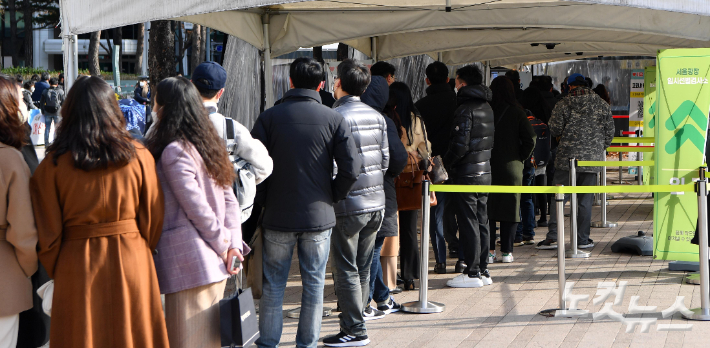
[
  {"x": 438, "y": 174},
  {"x": 237, "y": 320}
]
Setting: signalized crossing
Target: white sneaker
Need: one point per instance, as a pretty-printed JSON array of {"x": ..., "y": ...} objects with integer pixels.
[
  {"x": 464, "y": 281},
  {"x": 486, "y": 278},
  {"x": 507, "y": 258},
  {"x": 491, "y": 258}
]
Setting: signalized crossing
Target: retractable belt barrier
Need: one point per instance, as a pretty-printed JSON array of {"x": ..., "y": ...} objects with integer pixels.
[
  {"x": 700, "y": 187},
  {"x": 630, "y": 140},
  {"x": 630, "y": 149},
  {"x": 613, "y": 164}
]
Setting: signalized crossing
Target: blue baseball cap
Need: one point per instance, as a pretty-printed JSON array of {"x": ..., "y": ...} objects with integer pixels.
[
  {"x": 210, "y": 76},
  {"x": 576, "y": 80}
]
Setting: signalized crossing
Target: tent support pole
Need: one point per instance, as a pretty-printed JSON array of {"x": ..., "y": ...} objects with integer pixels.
[
  {"x": 440, "y": 56},
  {"x": 487, "y": 72},
  {"x": 268, "y": 69},
  {"x": 373, "y": 44},
  {"x": 71, "y": 63}
]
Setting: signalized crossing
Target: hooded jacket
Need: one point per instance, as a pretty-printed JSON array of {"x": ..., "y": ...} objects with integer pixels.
[
  {"x": 376, "y": 97},
  {"x": 303, "y": 138},
  {"x": 437, "y": 110},
  {"x": 585, "y": 126},
  {"x": 369, "y": 130},
  {"x": 471, "y": 139}
]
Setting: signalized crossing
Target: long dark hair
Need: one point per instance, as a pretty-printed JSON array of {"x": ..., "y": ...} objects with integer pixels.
[
  {"x": 93, "y": 129},
  {"x": 535, "y": 102},
  {"x": 601, "y": 91},
  {"x": 402, "y": 104},
  {"x": 12, "y": 130},
  {"x": 183, "y": 117},
  {"x": 503, "y": 93}
]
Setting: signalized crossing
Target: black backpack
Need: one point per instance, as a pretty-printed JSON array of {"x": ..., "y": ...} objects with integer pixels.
[
  {"x": 541, "y": 154},
  {"x": 52, "y": 104}
]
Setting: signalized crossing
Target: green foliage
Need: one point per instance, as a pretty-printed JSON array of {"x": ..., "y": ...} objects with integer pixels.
[{"x": 28, "y": 72}]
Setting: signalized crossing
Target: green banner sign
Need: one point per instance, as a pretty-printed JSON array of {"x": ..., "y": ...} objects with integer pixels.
[
  {"x": 680, "y": 124},
  {"x": 649, "y": 110}
]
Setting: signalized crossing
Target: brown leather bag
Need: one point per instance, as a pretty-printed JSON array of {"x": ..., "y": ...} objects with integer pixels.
[{"x": 409, "y": 186}]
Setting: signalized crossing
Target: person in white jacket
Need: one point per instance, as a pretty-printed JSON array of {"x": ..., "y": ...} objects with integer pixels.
[{"x": 210, "y": 79}]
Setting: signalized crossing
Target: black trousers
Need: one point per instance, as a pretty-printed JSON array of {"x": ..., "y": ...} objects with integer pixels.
[
  {"x": 472, "y": 216},
  {"x": 507, "y": 235},
  {"x": 541, "y": 198},
  {"x": 408, "y": 245}
]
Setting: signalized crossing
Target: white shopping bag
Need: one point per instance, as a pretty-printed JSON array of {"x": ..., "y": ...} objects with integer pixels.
[
  {"x": 38, "y": 127},
  {"x": 46, "y": 293}
]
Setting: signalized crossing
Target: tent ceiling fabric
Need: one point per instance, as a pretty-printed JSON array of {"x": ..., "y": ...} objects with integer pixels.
[{"x": 476, "y": 30}]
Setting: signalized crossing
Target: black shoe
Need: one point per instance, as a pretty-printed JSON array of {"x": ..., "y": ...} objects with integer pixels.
[
  {"x": 440, "y": 268},
  {"x": 400, "y": 281},
  {"x": 372, "y": 313},
  {"x": 396, "y": 290},
  {"x": 542, "y": 223},
  {"x": 453, "y": 254},
  {"x": 390, "y": 307},
  {"x": 344, "y": 340},
  {"x": 460, "y": 266},
  {"x": 408, "y": 285},
  {"x": 547, "y": 244}
]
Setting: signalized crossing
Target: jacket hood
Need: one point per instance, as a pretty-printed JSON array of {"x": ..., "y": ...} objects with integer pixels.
[
  {"x": 377, "y": 93},
  {"x": 346, "y": 99},
  {"x": 438, "y": 88},
  {"x": 474, "y": 92}
]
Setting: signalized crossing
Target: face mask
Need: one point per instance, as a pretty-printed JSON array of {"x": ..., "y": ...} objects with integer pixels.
[
  {"x": 32, "y": 89},
  {"x": 456, "y": 90},
  {"x": 142, "y": 83}
]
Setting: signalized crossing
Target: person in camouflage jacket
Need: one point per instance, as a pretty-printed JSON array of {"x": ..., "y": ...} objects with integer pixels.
[{"x": 584, "y": 126}]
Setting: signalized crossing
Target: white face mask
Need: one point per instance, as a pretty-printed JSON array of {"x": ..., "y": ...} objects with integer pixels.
[
  {"x": 32, "y": 89},
  {"x": 142, "y": 83}
]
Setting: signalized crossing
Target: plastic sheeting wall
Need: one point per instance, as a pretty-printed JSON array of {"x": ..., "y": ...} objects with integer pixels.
[{"x": 242, "y": 95}]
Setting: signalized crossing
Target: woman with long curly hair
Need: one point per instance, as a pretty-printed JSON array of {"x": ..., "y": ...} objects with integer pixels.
[
  {"x": 202, "y": 231},
  {"x": 18, "y": 235},
  {"x": 99, "y": 215}
]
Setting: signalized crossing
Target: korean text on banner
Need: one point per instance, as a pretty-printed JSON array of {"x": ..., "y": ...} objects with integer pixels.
[
  {"x": 649, "y": 112},
  {"x": 683, "y": 102}
]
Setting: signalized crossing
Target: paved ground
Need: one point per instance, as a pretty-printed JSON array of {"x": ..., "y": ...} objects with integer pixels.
[{"x": 505, "y": 314}]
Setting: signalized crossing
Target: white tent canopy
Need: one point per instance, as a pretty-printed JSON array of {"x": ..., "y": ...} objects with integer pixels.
[{"x": 500, "y": 31}]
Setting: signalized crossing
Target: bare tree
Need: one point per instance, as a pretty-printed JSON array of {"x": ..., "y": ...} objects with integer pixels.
[
  {"x": 94, "y": 44},
  {"x": 108, "y": 47},
  {"x": 184, "y": 43},
  {"x": 27, "y": 13},
  {"x": 161, "y": 56},
  {"x": 140, "y": 48},
  {"x": 12, "y": 9},
  {"x": 197, "y": 45}
]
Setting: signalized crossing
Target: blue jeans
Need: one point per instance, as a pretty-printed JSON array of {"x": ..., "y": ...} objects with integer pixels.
[
  {"x": 313, "y": 249},
  {"x": 436, "y": 228},
  {"x": 48, "y": 125},
  {"x": 378, "y": 290},
  {"x": 526, "y": 227}
]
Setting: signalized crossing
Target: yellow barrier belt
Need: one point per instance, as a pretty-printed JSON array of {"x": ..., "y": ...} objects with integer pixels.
[
  {"x": 562, "y": 189},
  {"x": 614, "y": 164},
  {"x": 629, "y": 140},
  {"x": 626, "y": 149}
]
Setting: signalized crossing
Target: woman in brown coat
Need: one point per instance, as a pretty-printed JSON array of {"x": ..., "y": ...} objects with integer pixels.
[
  {"x": 18, "y": 235},
  {"x": 99, "y": 213}
]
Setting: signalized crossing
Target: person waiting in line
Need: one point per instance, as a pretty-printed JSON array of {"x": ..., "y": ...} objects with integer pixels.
[
  {"x": 414, "y": 138},
  {"x": 467, "y": 161},
  {"x": 513, "y": 143},
  {"x": 584, "y": 125},
  {"x": 141, "y": 93},
  {"x": 601, "y": 91},
  {"x": 534, "y": 100},
  {"x": 437, "y": 109},
  {"x": 51, "y": 104},
  {"x": 385, "y": 70},
  {"x": 18, "y": 233},
  {"x": 376, "y": 96},
  {"x": 303, "y": 138},
  {"x": 200, "y": 208},
  {"x": 40, "y": 85},
  {"x": 514, "y": 77},
  {"x": 27, "y": 88},
  {"x": 360, "y": 214},
  {"x": 210, "y": 78},
  {"x": 99, "y": 215}
]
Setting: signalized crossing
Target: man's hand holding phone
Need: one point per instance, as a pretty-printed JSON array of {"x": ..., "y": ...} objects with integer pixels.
[{"x": 233, "y": 261}]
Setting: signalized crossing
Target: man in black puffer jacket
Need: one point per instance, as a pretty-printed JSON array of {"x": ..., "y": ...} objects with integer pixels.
[{"x": 468, "y": 163}]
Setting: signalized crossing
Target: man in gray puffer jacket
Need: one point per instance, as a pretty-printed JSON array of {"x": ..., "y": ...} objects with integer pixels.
[
  {"x": 360, "y": 214},
  {"x": 583, "y": 123}
]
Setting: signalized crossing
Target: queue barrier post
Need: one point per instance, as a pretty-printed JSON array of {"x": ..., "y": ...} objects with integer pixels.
[
  {"x": 423, "y": 306},
  {"x": 603, "y": 223},
  {"x": 561, "y": 276},
  {"x": 574, "y": 253},
  {"x": 703, "y": 313}
]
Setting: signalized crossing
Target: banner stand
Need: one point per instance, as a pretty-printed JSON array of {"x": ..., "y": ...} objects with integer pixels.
[
  {"x": 603, "y": 223},
  {"x": 703, "y": 313},
  {"x": 423, "y": 306},
  {"x": 574, "y": 253}
]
